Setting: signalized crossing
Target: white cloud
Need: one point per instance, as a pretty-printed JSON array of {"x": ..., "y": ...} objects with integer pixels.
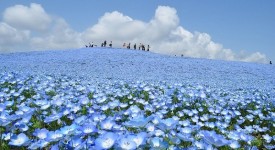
[
  {"x": 29, "y": 18},
  {"x": 11, "y": 38},
  {"x": 61, "y": 36},
  {"x": 162, "y": 32}
]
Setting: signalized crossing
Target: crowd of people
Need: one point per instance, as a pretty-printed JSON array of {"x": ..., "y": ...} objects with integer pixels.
[
  {"x": 140, "y": 47},
  {"x": 128, "y": 46}
]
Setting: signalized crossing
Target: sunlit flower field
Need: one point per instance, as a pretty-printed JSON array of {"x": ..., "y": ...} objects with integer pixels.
[{"x": 125, "y": 99}]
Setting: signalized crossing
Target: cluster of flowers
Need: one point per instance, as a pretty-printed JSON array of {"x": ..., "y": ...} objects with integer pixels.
[{"x": 59, "y": 112}]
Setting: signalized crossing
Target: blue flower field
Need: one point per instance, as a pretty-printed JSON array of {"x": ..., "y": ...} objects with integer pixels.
[{"x": 102, "y": 98}]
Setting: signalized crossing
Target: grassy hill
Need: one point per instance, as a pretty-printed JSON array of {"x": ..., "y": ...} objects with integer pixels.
[{"x": 96, "y": 98}]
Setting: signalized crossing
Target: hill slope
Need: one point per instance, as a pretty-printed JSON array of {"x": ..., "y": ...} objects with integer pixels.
[{"x": 101, "y": 65}]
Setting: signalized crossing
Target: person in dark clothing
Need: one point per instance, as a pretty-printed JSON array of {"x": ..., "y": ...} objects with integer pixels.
[
  {"x": 129, "y": 46},
  {"x": 111, "y": 44},
  {"x": 148, "y": 47},
  {"x": 270, "y": 63},
  {"x": 143, "y": 47},
  {"x": 105, "y": 43},
  {"x": 135, "y": 46}
]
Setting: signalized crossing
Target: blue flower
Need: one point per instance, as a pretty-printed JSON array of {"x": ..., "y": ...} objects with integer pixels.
[
  {"x": 139, "y": 121},
  {"x": 234, "y": 145},
  {"x": 2, "y": 107},
  {"x": 19, "y": 140},
  {"x": 40, "y": 133},
  {"x": 127, "y": 143},
  {"x": 158, "y": 143},
  {"x": 107, "y": 124},
  {"x": 68, "y": 130},
  {"x": 211, "y": 137},
  {"x": 54, "y": 136},
  {"x": 53, "y": 117},
  {"x": 38, "y": 144},
  {"x": 88, "y": 128},
  {"x": 75, "y": 142},
  {"x": 140, "y": 138},
  {"x": 106, "y": 140},
  {"x": 80, "y": 120},
  {"x": 267, "y": 138}
]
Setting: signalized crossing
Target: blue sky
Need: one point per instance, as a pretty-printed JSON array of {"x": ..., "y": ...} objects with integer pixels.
[{"x": 238, "y": 25}]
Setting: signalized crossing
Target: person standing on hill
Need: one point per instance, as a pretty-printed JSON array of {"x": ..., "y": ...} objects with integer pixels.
[
  {"x": 270, "y": 62},
  {"x": 135, "y": 46},
  {"x": 148, "y": 47},
  {"x": 105, "y": 43},
  {"x": 111, "y": 44}
]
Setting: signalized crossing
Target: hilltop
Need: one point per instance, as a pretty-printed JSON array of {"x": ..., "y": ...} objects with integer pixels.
[{"x": 105, "y": 64}]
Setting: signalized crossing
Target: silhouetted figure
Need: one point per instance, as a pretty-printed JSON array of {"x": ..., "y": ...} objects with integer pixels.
[
  {"x": 148, "y": 47},
  {"x": 105, "y": 43},
  {"x": 86, "y": 46},
  {"x": 135, "y": 46},
  {"x": 181, "y": 55},
  {"x": 111, "y": 44},
  {"x": 129, "y": 46},
  {"x": 270, "y": 63},
  {"x": 102, "y": 44},
  {"x": 143, "y": 47},
  {"x": 139, "y": 47},
  {"x": 91, "y": 45}
]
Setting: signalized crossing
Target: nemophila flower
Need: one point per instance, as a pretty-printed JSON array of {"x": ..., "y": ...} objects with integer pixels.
[
  {"x": 271, "y": 147},
  {"x": 80, "y": 120},
  {"x": 139, "y": 121},
  {"x": 88, "y": 128},
  {"x": 211, "y": 137},
  {"x": 53, "y": 117},
  {"x": 200, "y": 145},
  {"x": 107, "y": 124},
  {"x": 127, "y": 143},
  {"x": 106, "y": 140},
  {"x": 22, "y": 127},
  {"x": 54, "y": 136},
  {"x": 167, "y": 124},
  {"x": 9, "y": 103},
  {"x": 2, "y": 107},
  {"x": 140, "y": 138},
  {"x": 38, "y": 144},
  {"x": 75, "y": 142},
  {"x": 68, "y": 130},
  {"x": 7, "y": 136},
  {"x": 159, "y": 133},
  {"x": 150, "y": 127},
  {"x": 100, "y": 100},
  {"x": 267, "y": 138},
  {"x": 75, "y": 108},
  {"x": 114, "y": 104},
  {"x": 40, "y": 133},
  {"x": 57, "y": 102},
  {"x": 186, "y": 130},
  {"x": 234, "y": 144},
  {"x": 185, "y": 137},
  {"x": 157, "y": 142},
  {"x": 19, "y": 140}
]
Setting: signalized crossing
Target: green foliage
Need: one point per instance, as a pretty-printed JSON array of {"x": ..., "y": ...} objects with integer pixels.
[
  {"x": 28, "y": 93},
  {"x": 257, "y": 142},
  {"x": 51, "y": 93},
  {"x": 90, "y": 95}
]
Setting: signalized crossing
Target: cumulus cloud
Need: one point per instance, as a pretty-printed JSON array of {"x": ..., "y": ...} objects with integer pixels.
[
  {"x": 61, "y": 36},
  {"x": 163, "y": 32},
  {"x": 30, "y": 18},
  {"x": 11, "y": 38}
]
